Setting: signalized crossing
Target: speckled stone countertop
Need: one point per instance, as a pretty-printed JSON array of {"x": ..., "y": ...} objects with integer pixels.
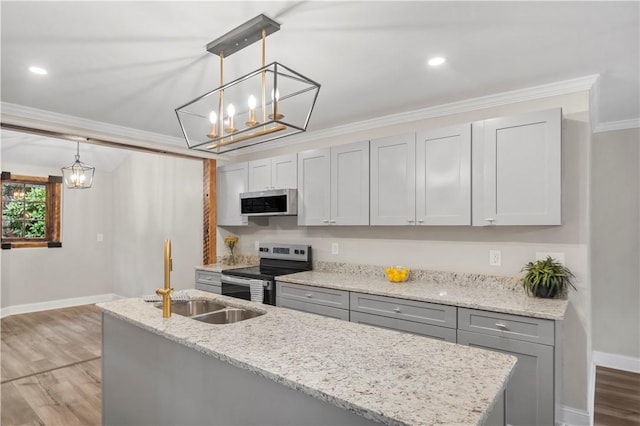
[
  {"x": 386, "y": 376},
  {"x": 485, "y": 292},
  {"x": 221, "y": 266}
]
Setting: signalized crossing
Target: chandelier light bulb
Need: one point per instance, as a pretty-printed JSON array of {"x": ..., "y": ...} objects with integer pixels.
[
  {"x": 231, "y": 111},
  {"x": 213, "y": 117},
  {"x": 252, "y": 112},
  {"x": 275, "y": 97}
]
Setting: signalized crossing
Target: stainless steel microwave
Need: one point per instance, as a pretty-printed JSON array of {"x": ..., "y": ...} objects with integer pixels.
[{"x": 271, "y": 202}]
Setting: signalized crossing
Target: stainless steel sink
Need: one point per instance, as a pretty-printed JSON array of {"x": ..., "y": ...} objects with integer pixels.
[
  {"x": 190, "y": 308},
  {"x": 227, "y": 316}
]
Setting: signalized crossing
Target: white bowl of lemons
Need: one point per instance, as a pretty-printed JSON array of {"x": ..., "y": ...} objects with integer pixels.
[{"x": 397, "y": 274}]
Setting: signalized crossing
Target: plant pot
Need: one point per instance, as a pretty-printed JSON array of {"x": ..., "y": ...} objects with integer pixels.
[{"x": 546, "y": 292}]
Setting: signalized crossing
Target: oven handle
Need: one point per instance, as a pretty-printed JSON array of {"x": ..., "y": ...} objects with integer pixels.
[{"x": 246, "y": 282}]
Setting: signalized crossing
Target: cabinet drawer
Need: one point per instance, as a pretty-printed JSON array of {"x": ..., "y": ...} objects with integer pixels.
[
  {"x": 207, "y": 277},
  {"x": 326, "y": 311},
  {"x": 432, "y": 331},
  {"x": 535, "y": 330},
  {"x": 316, "y": 295},
  {"x": 422, "y": 312}
]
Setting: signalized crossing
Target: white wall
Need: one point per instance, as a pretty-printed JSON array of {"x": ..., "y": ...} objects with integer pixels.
[
  {"x": 615, "y": 247},
  {"x": 466, "y": 249},
  {"x": 156, "y": 198},
  {"x": 82, "y": 266}
]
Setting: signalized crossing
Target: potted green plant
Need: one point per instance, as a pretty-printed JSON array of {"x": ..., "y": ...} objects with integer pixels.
[{"x": 546, "y": 278}]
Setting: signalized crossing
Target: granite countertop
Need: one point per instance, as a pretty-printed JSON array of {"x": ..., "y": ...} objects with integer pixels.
[
  {"x": 219, "y": 267},
  {"x": 462, "y": 290},
  {"x": 386, "y": 376}
]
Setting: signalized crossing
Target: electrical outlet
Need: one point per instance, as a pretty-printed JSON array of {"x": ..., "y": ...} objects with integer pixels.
[
  {"x": 256, "y": 245},
  {"x": 495, "y": 258},
  {"x": 558, "y": 257},
  {"x": 334, "y": 248}
]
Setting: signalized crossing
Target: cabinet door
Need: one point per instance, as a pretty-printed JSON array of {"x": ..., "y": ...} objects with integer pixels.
[
  {"x": 284, "y": 172},
  {"x": 443, "y": 176},
  {"x": 522, "y": 169},
  {"x": 350, "y": 184},
  {"x": 530, "y": 392},
  {"x": 260, "y": 174},
  {"x": 314, "y": 198},
  {"x": 393, "y": 180},
  {"x": 232, "y": 180}
]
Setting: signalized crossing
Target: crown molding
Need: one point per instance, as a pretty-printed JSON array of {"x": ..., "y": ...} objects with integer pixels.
[
  {"x": 21, "y": 115},
  {"x": 39, "y": 119},
  {"x": 527, "y": 94},
  {"x": 610, "y": 126}
]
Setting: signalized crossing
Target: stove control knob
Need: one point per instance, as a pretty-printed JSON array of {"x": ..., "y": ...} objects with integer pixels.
[
  {"x": 301, "y": 251},
  {"x": 296, "y": 251}
]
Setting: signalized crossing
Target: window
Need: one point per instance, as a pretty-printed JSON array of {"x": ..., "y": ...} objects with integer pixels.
[{"x": 30, "y": 211}]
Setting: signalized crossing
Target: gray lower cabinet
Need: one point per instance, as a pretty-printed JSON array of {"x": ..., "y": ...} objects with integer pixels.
[
  {"x": 208, "y": 281},
  {"x": 427, "y": 319},
  {"x": 531, "y": 392},
  {"x": 322, "y": 301}
]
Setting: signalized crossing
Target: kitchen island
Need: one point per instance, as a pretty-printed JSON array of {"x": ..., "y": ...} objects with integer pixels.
[{"x": 288, "y": 367}]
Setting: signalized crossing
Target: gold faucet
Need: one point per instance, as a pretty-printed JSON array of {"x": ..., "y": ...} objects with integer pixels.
[{"x": 166, "y": 291}]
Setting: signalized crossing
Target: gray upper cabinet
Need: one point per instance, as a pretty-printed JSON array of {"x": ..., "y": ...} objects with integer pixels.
[
  {"x": 232, "y": 180},
  {"x": 350, "y": 184},
  {"x": 443, "y": 176},
  {"x": 520, "y": 159},
  {"x": 393, "y": 180},
  {"x": 273, "y": 173},
  {"x": 333, "y": 185},
  {"x": 314, "y": 196}
]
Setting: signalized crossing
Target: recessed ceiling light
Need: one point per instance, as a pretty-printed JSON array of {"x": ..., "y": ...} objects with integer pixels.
[
  {"x": 438, "y": 60},
  {"x": 38, "y": 70}
]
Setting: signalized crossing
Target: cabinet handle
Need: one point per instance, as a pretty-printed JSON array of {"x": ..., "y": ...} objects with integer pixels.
[
  {"x": 409, "y": 220},
  {"x": 396, "y": 310},
  {"x": 325, "y": 221},
  {"x": 490, "y": 219},
  {"x": 501, "y": 325},
  {"x": 332, "y": 221},
  {"x": 309, "y": 295},
  {"x": 421, "y": 221}
]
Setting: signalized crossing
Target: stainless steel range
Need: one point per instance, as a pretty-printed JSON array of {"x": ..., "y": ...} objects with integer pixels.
[{"x": 258, "y": 283}]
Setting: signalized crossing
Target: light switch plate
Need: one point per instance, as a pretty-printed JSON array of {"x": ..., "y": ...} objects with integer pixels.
[
  {"x": 100, "y": 238},
  {"x": 256, "y": 245},
  {"x": 334, "y": 248}
]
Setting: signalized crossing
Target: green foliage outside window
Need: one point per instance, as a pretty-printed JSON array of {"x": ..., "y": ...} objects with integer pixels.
[{"x": 24, "y": 211}]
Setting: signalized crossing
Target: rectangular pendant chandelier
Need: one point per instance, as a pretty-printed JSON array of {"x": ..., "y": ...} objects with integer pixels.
[{"x": 269, "y": 103}]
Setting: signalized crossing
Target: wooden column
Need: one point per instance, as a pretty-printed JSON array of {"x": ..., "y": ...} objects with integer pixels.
[{"x": 209, "y": 213}]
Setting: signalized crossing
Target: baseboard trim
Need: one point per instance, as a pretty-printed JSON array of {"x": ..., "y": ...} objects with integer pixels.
[
  {"x": 56, "y": 304},
  {"x": 573, "y": 417},
  {"x": 619, "y": 362}
]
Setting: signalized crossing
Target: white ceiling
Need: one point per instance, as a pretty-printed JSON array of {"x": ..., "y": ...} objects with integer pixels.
[
  {"x": 132, "y": 63},
  {"x": 40, "y": 151}
]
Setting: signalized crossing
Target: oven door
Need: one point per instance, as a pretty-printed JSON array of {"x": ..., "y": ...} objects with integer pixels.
[{"x": 240, "y": 287}]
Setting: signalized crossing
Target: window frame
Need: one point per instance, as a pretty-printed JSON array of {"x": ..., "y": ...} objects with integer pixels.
[{"x": 53, "y": 202}]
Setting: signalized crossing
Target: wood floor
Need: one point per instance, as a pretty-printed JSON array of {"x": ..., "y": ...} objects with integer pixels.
[
  {"x": 617, "y": 398},
  {"x": 50, "y": 373},
  {"x": 50, "y": 367}
]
